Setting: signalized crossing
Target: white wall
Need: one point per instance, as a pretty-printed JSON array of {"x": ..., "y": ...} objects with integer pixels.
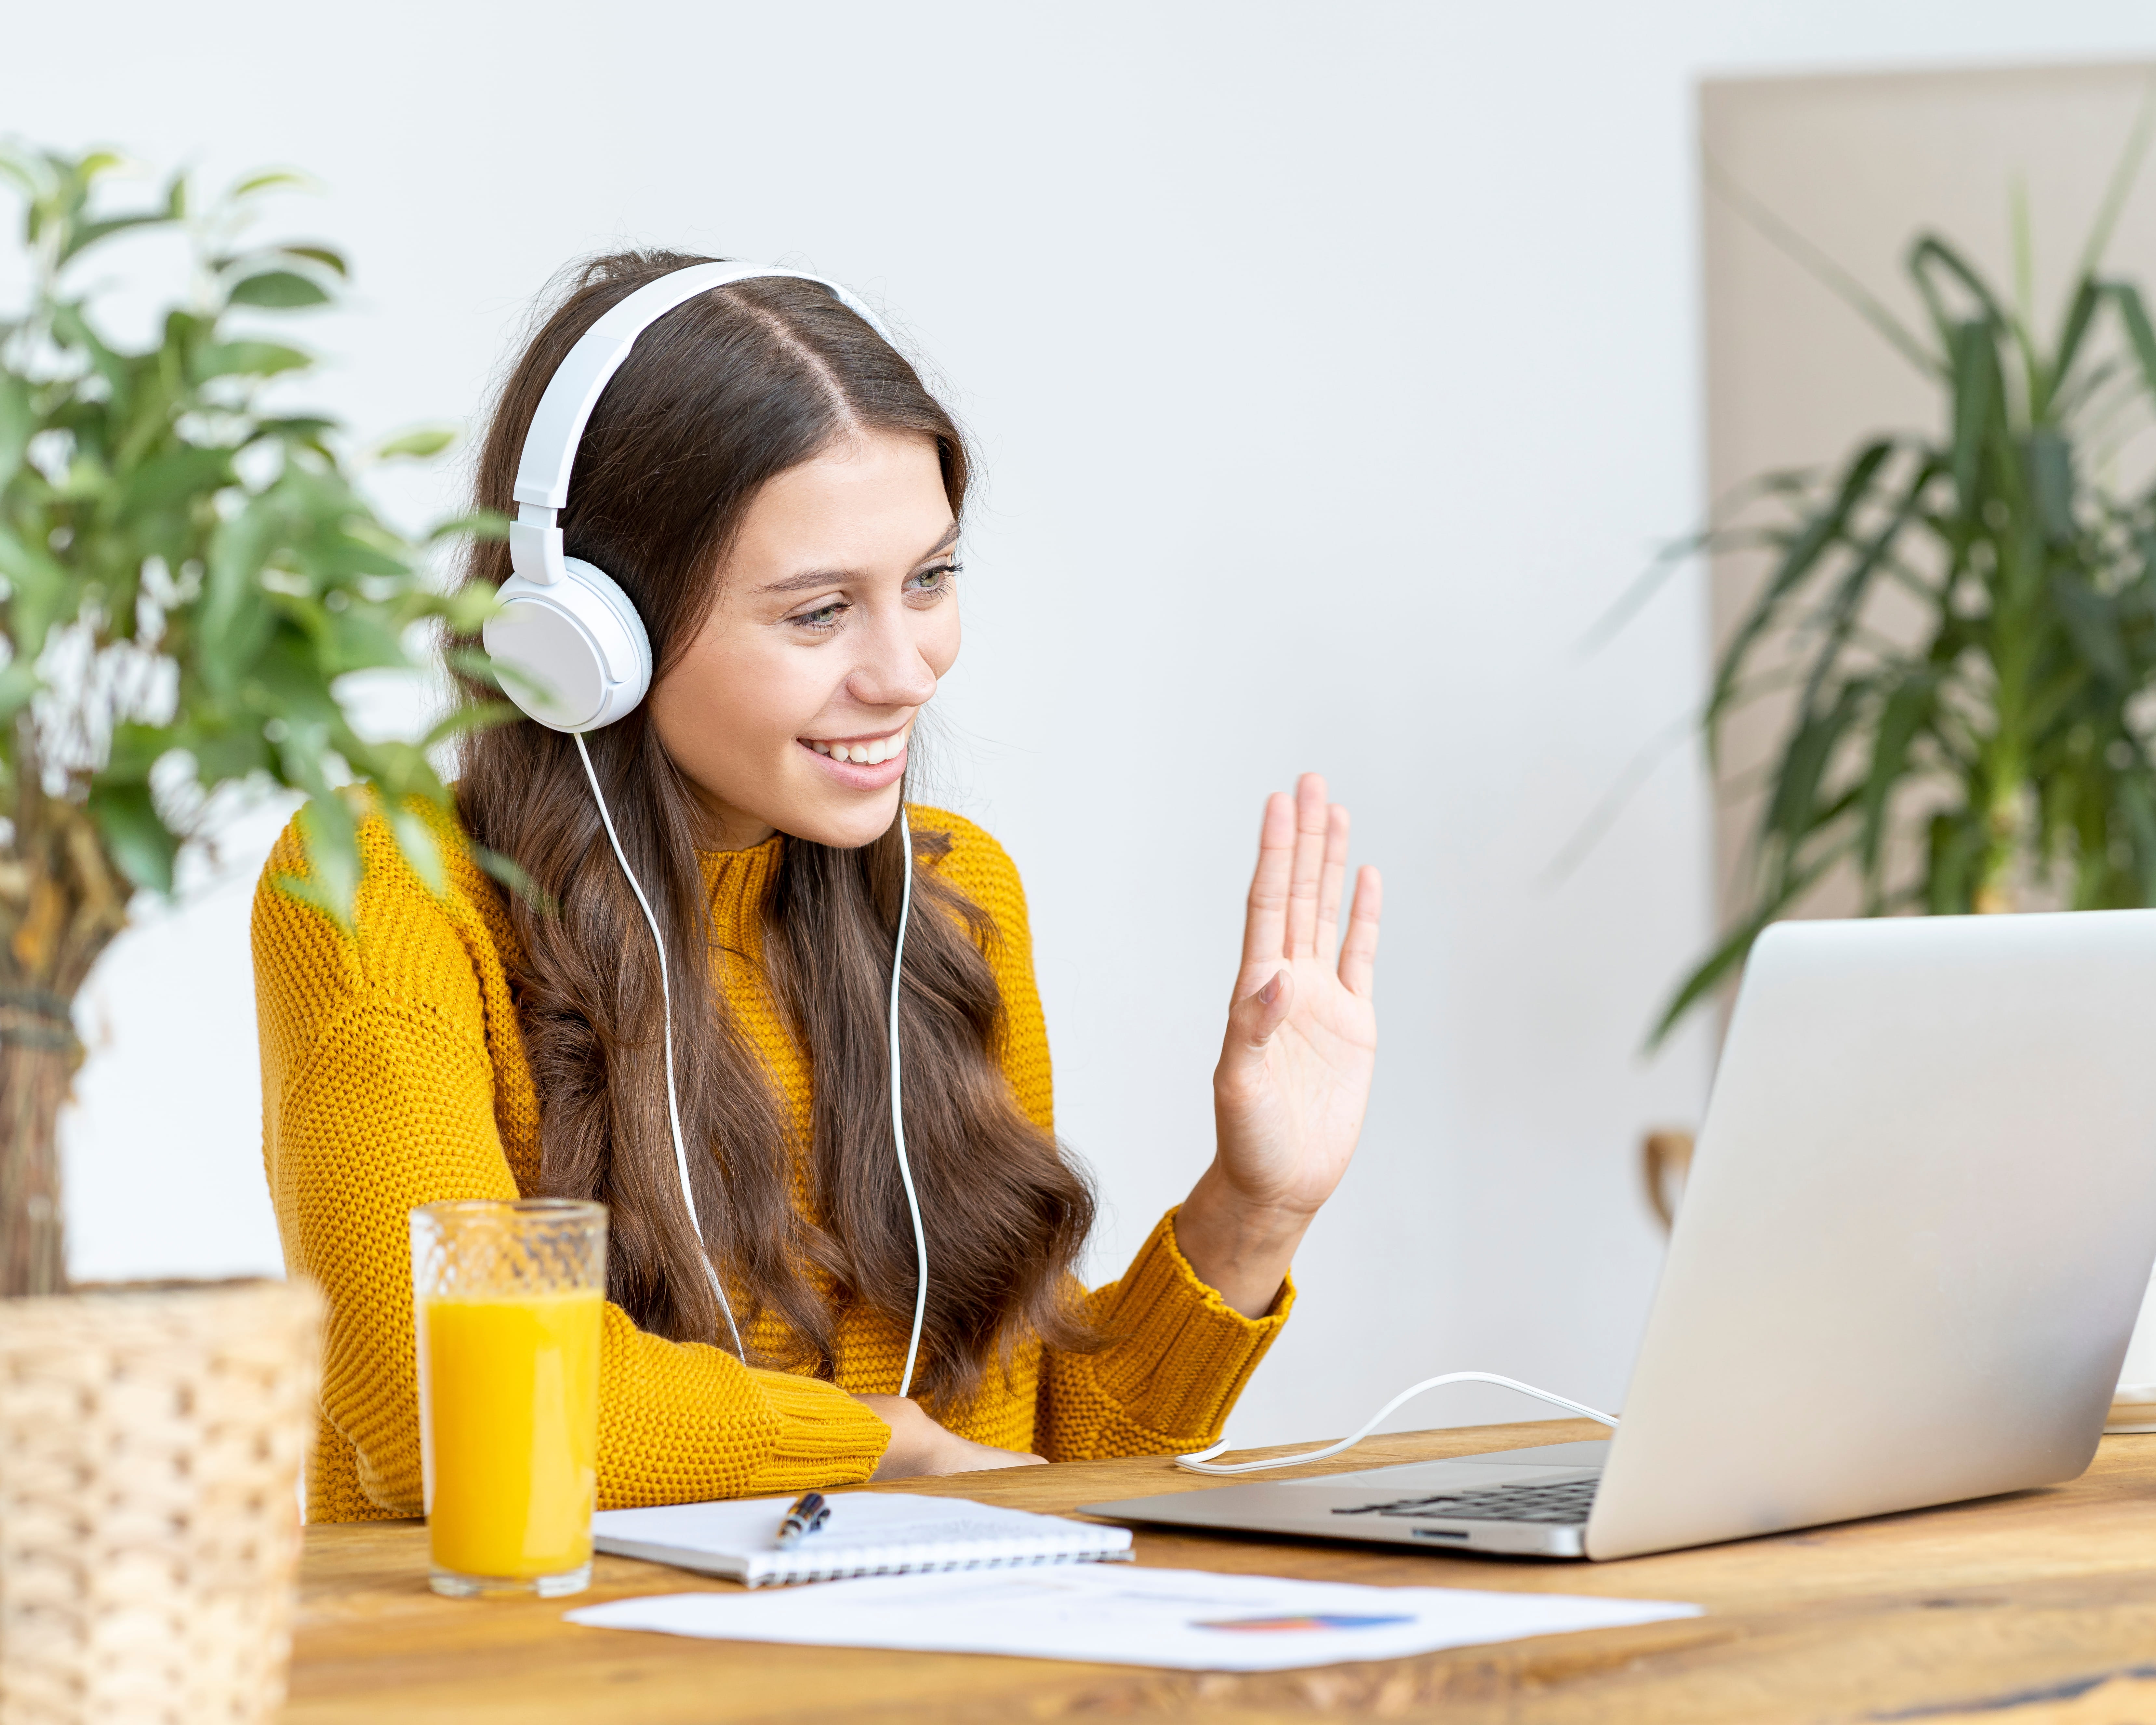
[{"x": 1333, "y": 368}]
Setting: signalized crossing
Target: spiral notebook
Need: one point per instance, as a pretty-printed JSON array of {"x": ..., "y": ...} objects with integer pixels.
[{"x": 868, "y": 1533}]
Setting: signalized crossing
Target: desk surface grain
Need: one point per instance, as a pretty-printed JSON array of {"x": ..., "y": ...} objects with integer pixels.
[{"x": 2036, "y": 1608}]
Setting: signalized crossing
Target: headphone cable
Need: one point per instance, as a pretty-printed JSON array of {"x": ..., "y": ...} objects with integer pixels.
[
  {"x": 897, "y": 1108},
  {"x": 897, "y": 1088},
  {"x": 666, "y": 997},
  {"x": 1202, "y": 1461}
]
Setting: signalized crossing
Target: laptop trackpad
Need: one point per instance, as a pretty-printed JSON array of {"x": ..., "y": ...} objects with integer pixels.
[{"x": 1505, "y": 1467}]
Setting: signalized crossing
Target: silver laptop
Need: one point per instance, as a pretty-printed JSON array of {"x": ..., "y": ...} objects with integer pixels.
[{"x": 1918, "y": 1228}]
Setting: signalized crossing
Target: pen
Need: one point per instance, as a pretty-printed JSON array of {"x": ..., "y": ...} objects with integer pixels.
[{"x": 808, "y": 1514}]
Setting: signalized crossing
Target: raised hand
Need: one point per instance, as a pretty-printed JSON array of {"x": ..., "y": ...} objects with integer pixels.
[{"x": 1294, "y": 1078}]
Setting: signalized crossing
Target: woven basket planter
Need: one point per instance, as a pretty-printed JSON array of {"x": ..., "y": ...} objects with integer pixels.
[{"x": 151, "y": 1444}]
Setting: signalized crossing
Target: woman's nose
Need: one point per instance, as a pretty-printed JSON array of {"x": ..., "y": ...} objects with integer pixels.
[{"x": 893, "y": 672}]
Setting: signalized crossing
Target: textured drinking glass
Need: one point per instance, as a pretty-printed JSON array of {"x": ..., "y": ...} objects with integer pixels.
[{"x": 506, "y": 1301}]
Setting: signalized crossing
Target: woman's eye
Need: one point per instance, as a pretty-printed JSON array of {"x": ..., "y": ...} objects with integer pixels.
[
  {"x": 933, "y": 580},
  {"x": 823, "y": 617}
]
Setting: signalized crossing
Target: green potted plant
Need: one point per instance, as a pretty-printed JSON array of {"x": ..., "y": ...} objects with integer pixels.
[
  {"x": 1967, "y": 617},
  {"x": 188, "y": 570}
]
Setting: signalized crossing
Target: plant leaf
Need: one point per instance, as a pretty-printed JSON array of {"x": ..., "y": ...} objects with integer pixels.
[
  {"x": 1792, "y": 812},
  {"x": 510, "y": 874},
  {"x": 469, "y": 716},
  {"x": 268, "y": 180},
  {"x": 322, "y": 254},
  {"x": 177, "y": 475},
  {"x": 135, "y": 837},
  {"x": 1814, "y": 536},
  {"x": 1931, "y": 252},
  {"x": 42, "y": 591},
  {"x": 283, "y": 289},
  {"x": 2081, "y": 314},
  {"x": 1901, "y": 716},
  {"x": 479, "y": 524},
  {"x": 248, "y": 359},
  {"x": 329, "y": 842},
  {"x": 1727, "y": 958},
  {"x": 87, "y": 234},
  {"x": 1979, "y": 391},
  {"x": 2134, "y": 314},
  {"x": 234, "y": 621},
  {"x": 415, "y": 840},
  {"x": 18, "y": 421},
  {"x": 416, "y": 444},
  {"x": 19, "y": 681},
  {"x": 2051, "y": 483}
]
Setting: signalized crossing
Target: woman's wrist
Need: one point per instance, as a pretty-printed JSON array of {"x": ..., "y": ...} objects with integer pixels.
[
  {"x": 919, "y": 1445},
  {"x": 1240, "y": 1248}
]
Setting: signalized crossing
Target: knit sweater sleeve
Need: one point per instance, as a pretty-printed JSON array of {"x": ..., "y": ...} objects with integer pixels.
[
  {"x": 1177, "y": 1355},
  {"x": 379, "y": 1094}
]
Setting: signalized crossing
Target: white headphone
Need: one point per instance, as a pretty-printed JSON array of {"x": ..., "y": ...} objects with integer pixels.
[
  {"x": 576, "y": 649},
  {"x": 577, "y": 657}
]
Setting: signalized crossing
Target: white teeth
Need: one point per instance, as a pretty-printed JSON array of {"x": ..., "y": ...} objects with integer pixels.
[{"x": 864, "y": 754}]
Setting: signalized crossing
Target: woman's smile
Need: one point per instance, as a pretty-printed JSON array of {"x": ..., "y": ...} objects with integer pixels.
[{"x": 862, "y": 764}]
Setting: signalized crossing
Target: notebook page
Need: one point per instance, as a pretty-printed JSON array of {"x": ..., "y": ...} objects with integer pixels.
[{"x": 869, "y": 1531}]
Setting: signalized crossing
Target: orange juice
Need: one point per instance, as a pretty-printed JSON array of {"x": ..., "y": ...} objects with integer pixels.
[{"x": 510, "y": 1388}]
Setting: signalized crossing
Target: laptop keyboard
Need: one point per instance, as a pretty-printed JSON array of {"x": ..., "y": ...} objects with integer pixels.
[{"x": 1565, "y": 1501}]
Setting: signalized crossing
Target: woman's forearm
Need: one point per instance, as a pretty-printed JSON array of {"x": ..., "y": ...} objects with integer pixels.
[
  {"x": 1240, "y": 1251},
  {"x": 920, "y": 1445}
]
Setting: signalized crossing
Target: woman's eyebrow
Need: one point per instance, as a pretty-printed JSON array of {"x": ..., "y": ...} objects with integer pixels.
[
  {"x": 802, "y": 583},
  {"x": 827, "y": 577}
]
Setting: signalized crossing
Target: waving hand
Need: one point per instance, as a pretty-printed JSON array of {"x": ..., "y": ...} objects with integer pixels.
[{"x": 1294, "y": 1078}]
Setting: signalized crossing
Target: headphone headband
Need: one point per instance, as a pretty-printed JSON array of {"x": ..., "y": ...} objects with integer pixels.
[{"x": 558, "y": 428}]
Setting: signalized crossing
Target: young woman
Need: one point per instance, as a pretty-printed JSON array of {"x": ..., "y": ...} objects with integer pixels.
[{"x": 780, "y": 496}]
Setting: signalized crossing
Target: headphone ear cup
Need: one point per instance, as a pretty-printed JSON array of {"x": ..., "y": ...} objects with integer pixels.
[{"x": 573, "y": 653}]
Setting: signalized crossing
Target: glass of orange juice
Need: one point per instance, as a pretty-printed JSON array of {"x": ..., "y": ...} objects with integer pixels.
[{"x": 505, "y": 1300}]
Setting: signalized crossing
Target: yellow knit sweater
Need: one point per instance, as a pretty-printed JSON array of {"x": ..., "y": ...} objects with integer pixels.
[{"x": 394, "y": 1075}]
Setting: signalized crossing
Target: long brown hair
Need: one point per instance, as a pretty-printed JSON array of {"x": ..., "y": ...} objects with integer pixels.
[{"x": 717, "y": 398}]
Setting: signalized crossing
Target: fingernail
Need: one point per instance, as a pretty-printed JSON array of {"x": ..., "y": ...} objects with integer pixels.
[{"x": 1270, "y": 992}]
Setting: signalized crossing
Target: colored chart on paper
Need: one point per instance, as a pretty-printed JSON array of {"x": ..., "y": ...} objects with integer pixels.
[{"x": 1323, "y": 1620}]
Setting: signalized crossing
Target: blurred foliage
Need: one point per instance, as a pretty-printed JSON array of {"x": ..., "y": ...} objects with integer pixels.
[
  {"x": 189, "y": 572},
  {"x": 1966, "y": 618}
]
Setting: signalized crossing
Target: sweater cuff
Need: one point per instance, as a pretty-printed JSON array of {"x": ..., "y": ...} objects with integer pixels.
[
  {"x": 824, "y": 1437},
  {"x": 1181, "y": 1354}
]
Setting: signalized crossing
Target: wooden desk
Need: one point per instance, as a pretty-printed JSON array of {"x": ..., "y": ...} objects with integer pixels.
[{"x": 2039, "y": 1608}]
